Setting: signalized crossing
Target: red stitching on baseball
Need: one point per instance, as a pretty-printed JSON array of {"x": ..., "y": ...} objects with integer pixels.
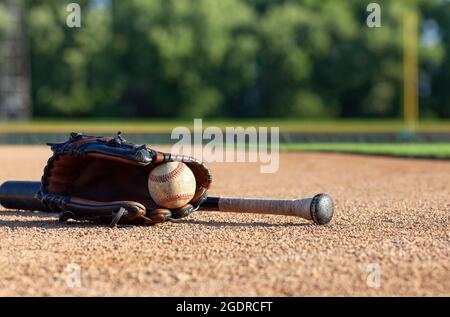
[
  {"x": 167, "y": 177},
  {"x": 175, "y": 197}
]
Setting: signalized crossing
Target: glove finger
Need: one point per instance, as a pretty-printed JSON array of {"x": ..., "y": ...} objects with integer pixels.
[
  {"x": 159, "y": 215},
  {"x": 182, "y": 212}
]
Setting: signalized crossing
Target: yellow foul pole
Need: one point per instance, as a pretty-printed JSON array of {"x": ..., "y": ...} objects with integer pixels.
[{"x": 410, "y": 70}]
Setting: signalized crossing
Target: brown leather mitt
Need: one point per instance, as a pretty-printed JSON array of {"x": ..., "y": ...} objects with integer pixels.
[{"x": 106, "y": 180}]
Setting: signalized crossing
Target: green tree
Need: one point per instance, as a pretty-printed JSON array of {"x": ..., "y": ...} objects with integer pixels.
[
  {"x": 187, "y": 57},
  {"x": 71, "y": 66},
  {"x": 233, "y": 58},
  {"x": 437, "y": 67},
  {"x": 3, "y": 25},
  {"x": 3, "y": 18}
]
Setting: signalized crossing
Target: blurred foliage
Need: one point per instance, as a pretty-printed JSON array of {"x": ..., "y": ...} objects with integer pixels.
[
  {"x": 231, "y": 58},
  {"x": 438, "y": 74},
  {"x": 3, "y": 26},
  {"x": 3, "y": 18}
]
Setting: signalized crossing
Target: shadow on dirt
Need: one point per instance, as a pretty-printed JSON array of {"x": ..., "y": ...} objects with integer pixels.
[
  {"x": 51, "y": 222},
  {"x": 242, "y": 224},
  {"x": 16, "y": 213},
  {"x": 36, "y": 221}
]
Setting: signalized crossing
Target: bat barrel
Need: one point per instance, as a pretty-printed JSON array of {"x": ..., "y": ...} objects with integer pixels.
[{"x": 21, "y": 195}]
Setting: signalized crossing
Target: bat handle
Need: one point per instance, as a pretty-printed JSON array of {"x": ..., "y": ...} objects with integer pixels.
[{"x": 319, "y": 208}]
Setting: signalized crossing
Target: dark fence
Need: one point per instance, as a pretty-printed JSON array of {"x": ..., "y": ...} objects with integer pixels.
[{"x": 165, "y": 138}]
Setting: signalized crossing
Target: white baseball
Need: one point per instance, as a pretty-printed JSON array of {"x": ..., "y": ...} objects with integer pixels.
[{"x": 171, "y": 185}]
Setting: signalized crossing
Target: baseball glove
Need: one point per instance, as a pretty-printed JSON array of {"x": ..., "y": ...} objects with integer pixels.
[{"x": 106, "y": 180}]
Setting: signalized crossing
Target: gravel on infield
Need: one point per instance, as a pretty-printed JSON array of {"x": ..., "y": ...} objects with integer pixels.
[{"x": 390, "y": 236}]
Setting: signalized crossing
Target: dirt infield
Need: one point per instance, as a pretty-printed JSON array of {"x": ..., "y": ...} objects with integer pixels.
[{"x": 390, "y": 236}]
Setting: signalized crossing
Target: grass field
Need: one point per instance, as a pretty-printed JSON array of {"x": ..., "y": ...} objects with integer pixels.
[
  {"x": 164, "y": 125},
  {"x": 435, "y": 150}
]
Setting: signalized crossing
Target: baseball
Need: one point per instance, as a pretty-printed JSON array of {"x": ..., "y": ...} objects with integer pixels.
[{"x": 171, "y": 185}]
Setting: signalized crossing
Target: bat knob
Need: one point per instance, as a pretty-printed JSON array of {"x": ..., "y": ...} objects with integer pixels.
[{"x": 322, "y": 208}]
